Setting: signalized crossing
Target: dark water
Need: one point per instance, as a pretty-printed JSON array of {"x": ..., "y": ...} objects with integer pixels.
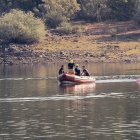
[{"x": 33, "y": 106}]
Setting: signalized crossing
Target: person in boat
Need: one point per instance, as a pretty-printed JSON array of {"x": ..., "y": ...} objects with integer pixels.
[
  {"x": 61, "y": 70},
  {"x": 77, "y": 70},
  {"x": 85, "y": 71},
  {"x": 71, "y": 66}
]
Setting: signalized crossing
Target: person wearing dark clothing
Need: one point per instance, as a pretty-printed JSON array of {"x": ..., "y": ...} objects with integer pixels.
[
  {"x": 71, "y": 66},
  {"x": 77, "y": 70},
  {"x": 61, "y": 70},
  {"x": 85, "y": 71}
]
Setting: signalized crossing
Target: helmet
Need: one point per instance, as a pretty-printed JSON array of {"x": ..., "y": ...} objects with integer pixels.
[
  {"x": 71, "y": 61},
  {"x": 77, "y": 65}
]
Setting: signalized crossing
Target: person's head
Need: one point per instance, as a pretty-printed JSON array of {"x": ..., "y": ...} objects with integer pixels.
[
  {"x": 62, "y": 66},
  {"x": 71, "y": 61},
  {"x": 83, "y": 67},
  {"x": 77, "y": 65}
]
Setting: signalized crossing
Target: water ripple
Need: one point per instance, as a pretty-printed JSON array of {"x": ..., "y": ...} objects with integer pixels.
[
  {"x": 100, "y": 79},
  {"x": 70, "y": 97}
]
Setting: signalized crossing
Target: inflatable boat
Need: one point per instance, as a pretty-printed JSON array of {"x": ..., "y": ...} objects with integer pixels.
[
  {"x": 67, "y": 78},
  {"x": 138, "y": 81}
]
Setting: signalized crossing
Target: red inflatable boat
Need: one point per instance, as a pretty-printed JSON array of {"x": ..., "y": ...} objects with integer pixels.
[
  {"x": 67, "y": 78},
  {"x": 138, "y": 81}
]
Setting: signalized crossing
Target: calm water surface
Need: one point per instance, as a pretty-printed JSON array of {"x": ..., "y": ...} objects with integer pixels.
[{"x": 33, "y": 106}]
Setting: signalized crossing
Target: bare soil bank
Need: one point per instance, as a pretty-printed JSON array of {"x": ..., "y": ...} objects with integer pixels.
[{"x": 98, "y": 42}]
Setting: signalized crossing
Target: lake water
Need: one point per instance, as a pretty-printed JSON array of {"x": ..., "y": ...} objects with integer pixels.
[{"x": 33, "y": 106}]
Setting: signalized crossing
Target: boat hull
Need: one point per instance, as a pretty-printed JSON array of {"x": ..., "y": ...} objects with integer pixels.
[
  {"x": 74, "y": 79},
  {"x": 138, "y": 81}
]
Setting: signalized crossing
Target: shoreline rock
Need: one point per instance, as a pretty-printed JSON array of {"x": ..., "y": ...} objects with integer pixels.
[{"x": 27, "y": 56}]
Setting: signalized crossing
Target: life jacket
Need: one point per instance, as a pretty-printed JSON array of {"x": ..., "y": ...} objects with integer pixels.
[
  {"x": 86, "y": 72},
  {"x": 77, "y": 71},
  {"x": 61, "y": 71}
]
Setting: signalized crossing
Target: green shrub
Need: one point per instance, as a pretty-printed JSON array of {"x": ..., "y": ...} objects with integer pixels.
[
  {"x": 67, "y": 28},
  {"x": 53, "y": 19},
  {"x": 20, "y": 27},
  {"x": 55, "y": 12}
]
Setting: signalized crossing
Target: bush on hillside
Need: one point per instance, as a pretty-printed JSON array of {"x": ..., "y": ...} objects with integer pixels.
[
  {"x": 67, "y": 28},
  {"x": 20, "y": 27},
  {"x": 93, "y": 10},
  {"x": 53, "y": 19},
  {"x": 55, "y": 12}
]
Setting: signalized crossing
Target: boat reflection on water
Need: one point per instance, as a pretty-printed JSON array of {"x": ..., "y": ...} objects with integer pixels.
[{"x": 78, "y": 89}]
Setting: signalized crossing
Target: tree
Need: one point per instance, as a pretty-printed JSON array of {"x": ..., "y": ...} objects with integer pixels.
[
  {"x": 57, "y": 11},
  {"x": 25, "y": 5},
  {"x": 137, "y": 11},
  {"x": 121, "y": 9},
  {"x": 20, "y": 27},
  {"x": 95, "y": 10},
  {"x": 53, "y": 12}
]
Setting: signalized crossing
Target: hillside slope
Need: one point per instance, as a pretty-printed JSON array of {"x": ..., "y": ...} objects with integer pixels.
[{"x": 98, "y": 42}]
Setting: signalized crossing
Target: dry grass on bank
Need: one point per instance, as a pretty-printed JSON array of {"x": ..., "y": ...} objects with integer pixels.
[{"x": 95, "y": 38}]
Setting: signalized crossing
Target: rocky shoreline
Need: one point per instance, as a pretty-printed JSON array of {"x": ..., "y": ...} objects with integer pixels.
[
  {"x": 94, "y": 44},
  {"x": 24, "y": 54}
]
